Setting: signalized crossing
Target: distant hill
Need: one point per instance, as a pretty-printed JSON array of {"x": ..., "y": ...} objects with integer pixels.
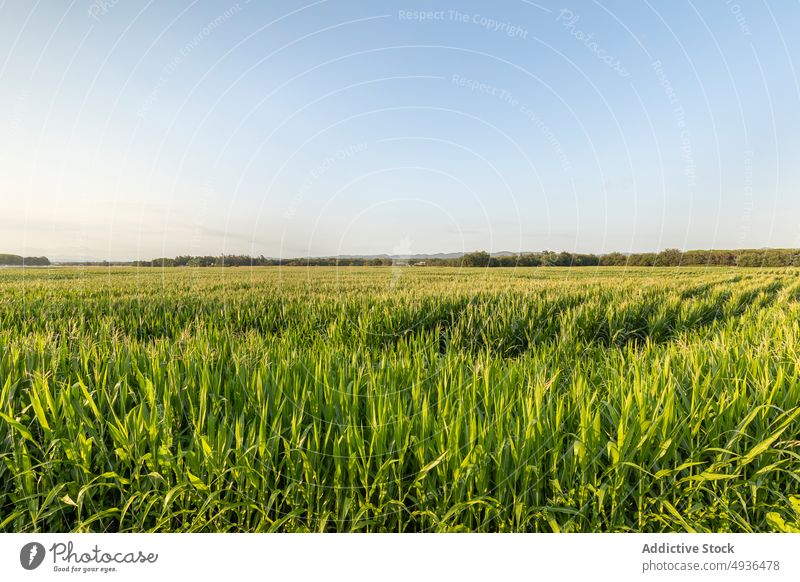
[{"x": 18, "y": 261}]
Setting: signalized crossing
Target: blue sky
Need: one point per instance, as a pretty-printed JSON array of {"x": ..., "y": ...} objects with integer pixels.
[{"x": 145, "y": 129}]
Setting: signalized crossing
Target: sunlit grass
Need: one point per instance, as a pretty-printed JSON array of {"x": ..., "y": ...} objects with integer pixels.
[{"x": 399, "y": 399}]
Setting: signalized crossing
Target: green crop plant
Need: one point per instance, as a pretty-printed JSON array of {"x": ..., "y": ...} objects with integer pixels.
[{"x": 399, "y": 399}]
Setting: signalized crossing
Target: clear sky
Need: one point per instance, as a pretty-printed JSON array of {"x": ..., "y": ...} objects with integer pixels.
[{"x": 133, "y": 129}]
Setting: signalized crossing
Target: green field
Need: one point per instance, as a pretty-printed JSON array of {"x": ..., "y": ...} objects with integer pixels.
[{"x": 399, "y": 399}]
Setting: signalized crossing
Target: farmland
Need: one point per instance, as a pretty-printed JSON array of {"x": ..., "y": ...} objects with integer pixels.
[{"x": 399, "y": 399}]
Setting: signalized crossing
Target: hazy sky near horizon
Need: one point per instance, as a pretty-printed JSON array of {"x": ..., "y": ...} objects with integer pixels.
[{"x": 136, "y": 129}]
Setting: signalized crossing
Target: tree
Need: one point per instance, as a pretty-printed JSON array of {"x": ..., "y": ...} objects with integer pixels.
[
  {"x": 476, "y": 259},
  {"x": 669, "y": 258}
]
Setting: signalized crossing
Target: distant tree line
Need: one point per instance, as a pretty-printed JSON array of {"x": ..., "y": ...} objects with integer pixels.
[
  {"x": 666, "y": 258},
  {"x": 261, "y": 261},
  {"x": 18, "y": 261},
  {"x": 730, "y": 258}
]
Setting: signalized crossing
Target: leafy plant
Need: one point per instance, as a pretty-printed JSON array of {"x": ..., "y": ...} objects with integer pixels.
[{"x": 386, "y": 399}]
